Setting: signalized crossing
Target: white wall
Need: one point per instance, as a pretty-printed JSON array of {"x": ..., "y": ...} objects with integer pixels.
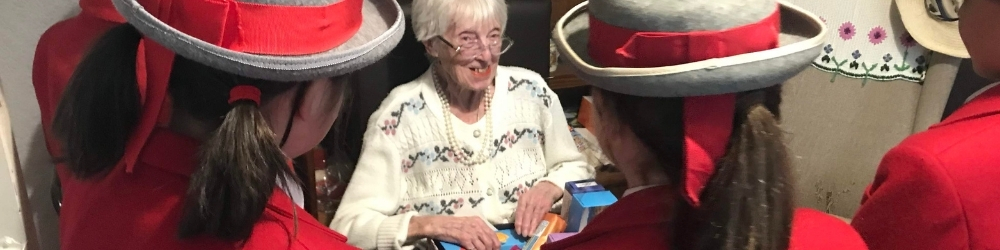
[
  {"x": 15, "y": 232},
  {"x": 21, "y": 24}
]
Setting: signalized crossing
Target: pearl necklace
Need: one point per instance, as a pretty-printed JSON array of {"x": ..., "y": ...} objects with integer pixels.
[{"x": 460, "y": 156}]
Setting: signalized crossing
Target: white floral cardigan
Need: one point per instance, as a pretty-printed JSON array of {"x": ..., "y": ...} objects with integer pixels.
[{"x": 407, "y": 167}]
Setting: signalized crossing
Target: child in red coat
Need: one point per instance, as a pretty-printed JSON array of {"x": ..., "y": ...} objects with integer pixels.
[
  {"x": 686, "y": 95},
  {"x": 176, "y": 128},
  {"x": 938, "y": 189},
  {"x": 58, "y": 52}
]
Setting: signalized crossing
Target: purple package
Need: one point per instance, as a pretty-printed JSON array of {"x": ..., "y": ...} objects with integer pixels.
[{"x": 558, "y": 236}]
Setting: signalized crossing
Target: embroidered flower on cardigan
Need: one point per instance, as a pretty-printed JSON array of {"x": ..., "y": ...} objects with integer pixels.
[
  {"x": 511, "y": 195},
  {"x": 415, "y": 105},
  {"x": 429, "y": 156},
  {"x": 444, "y": 206},
  {"x": 533, "y": 88},
  {"x": 413, "y": 207},
  {"x": 475, "y": 202},
  {"x": 513, "y": 137},
  {"x": 449, "y": 206}
]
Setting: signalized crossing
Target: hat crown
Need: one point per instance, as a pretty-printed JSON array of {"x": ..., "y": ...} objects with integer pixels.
[{"x": 681, "y": 15}]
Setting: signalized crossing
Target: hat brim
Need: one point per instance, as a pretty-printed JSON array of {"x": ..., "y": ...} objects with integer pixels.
[
  {"x": 801, "y": 37},
  {"x": 380, "y": 31},
  {"x": 933, "y": 34}
]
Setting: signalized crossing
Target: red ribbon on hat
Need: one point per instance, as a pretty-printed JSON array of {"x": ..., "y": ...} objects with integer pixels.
[
  {"x": 708, "y": 120},
  {"x": 238, "y": 26},
  {"x": 255, "y": 28}
]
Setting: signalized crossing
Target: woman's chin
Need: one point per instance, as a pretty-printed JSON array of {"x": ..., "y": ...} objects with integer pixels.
[
  {"x": 481, "y": 85},
  {"x": 477, "y": 83}
]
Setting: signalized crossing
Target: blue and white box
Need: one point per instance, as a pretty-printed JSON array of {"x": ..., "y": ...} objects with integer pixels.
[
  {"x": 585, "y": 206},
  {"x": 577, "y": 187}
]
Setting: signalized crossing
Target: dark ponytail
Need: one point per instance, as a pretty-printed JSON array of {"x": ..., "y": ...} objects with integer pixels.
[
  {"x": 100, "y": 106},
  {"x": 748, "y": 202},
  {"x": 239, "y": 163},
  {"x": 237, "y": 174}
]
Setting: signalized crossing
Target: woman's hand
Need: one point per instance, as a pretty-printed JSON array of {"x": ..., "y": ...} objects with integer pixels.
[
  {"x": 471, "y": 232},
  {"x": 533, "y": 205}
]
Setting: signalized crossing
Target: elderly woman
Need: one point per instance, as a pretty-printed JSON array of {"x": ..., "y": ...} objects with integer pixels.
[{"x": 467, "y": 143}]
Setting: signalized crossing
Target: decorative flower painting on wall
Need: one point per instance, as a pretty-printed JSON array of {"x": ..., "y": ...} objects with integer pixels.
[{"x": 867, "y": 41}]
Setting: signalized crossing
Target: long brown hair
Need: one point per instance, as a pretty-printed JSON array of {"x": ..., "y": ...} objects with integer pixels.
[
  {"x": 239, "y": 163},
  {"x": 748, "y": 201}
]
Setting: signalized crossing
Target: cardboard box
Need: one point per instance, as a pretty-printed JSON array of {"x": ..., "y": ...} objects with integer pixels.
[
  {"x": 577, "y": 187},
  {"x": 585, "y": 206}
]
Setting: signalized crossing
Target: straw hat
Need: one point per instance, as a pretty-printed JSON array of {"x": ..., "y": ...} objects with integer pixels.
[
  {"x": 801, "y": 35},
  {"x": 934, "y": 24},
  {"x": 704, "y": 51},
  {"x": 281, "y": 40}
]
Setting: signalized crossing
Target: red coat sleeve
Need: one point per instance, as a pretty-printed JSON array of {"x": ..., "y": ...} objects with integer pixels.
[
  {"x": 40, "y": 81},
  {"x": 815, "y": 230},
  {"x": 912, "y": 205}
]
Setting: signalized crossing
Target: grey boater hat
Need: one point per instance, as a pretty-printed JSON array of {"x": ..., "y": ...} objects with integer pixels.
[
  {"x": 703, "y": 51},
  {"x": 277, "y": 40},
  {"x": 280, "y": 40},
  {"x": 693, "y": 44}
]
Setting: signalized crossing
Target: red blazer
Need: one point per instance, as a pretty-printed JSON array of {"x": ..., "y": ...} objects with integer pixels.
[
  {"x": 142, "y": 209},
  {"x": 939, "y": 189},
  {"x": 639, "y": 221},
  {"x": 58, "y": 52}
]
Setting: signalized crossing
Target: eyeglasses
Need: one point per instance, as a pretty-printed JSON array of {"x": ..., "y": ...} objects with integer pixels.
[
  {"x": 471, "y": 48},
  {"x": 944, "y": 10}
]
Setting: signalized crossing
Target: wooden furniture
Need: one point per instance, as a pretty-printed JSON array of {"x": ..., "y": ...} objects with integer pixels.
[
  {"x": 563, "y": 77},
  {"x": 305, "y": 167}
]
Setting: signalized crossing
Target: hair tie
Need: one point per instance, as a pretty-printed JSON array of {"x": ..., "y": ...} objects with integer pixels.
[{"x": 244, "y": 92}]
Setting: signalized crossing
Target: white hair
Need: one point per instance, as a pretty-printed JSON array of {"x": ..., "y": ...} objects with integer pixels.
[{"x": 434, "y": 17}]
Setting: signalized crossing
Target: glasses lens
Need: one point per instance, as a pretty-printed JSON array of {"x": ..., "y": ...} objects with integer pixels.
[{"x": 475, "y": 47}]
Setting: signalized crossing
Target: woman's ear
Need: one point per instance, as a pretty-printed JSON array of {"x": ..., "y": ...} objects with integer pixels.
[{"x": 429, "y": 46}]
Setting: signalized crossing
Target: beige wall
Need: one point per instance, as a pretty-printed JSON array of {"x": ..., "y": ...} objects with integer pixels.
[
  {"x": 839, "y": 130},
  {"x": 21, "y": 24},
  {"x": 834, "y": 153}
]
